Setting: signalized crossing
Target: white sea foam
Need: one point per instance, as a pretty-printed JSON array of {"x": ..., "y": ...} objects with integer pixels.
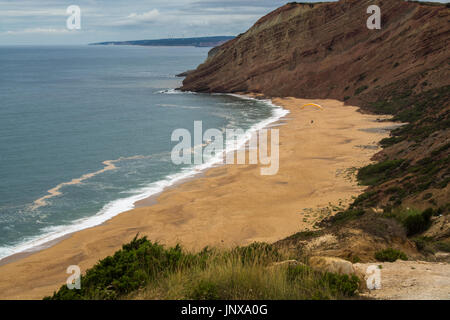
[
  {"x": 176, "y": 106},
  {"x": 118, "y": 206},
  {"x": 175, "y": 91}
]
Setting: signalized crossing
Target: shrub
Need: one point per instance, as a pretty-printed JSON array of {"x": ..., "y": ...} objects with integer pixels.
[
  {"x": 387, "y": 142},
  {"x": 418, "y": 223},
  {"x": 413, "y": 220},
  {"x": 427, "y": 196},
  {"x": 259, "y": 253},
  {"x": 335, "y": 283},
  {"x": 346, "y": 215},
  {"x": 343, "y": 283},
  {"x": 378, "y": 172},
  {"x": 360, "y": 89},
  {"x": 366, "y": 197},
  {"x": 390, "y": 255},
  {"x": 443, "y": 210},
  {"x": 424, "y": 244},
  {"x": 296, "y": 272},
  {"x": 129, "y": 269},
  {"x": 204, "y": 290},
  {"x": 430, "y": 245},
  {"x": 305, "y": 235},
  {"x": 443, "y": 246}
]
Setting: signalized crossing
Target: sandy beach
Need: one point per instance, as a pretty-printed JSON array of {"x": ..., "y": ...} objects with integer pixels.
[{"x": 228, "y": 205}]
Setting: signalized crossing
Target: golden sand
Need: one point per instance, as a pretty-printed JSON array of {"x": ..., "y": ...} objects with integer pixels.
[{"x": 229, "y": 205}]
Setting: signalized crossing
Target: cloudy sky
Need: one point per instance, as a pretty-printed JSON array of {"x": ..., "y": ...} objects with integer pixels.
[{"x": 44, "y": 21}]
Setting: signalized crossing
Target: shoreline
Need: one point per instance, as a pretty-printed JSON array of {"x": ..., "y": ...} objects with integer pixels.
[
  {"x": 138, "y": 200},
  {"x": 223, "y": 206}
]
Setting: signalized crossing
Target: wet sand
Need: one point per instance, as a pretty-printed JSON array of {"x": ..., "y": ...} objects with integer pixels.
[{"x": 228, "y": 205}]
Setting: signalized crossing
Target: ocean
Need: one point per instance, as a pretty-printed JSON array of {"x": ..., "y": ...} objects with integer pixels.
[{"x": 85, "y": 132}]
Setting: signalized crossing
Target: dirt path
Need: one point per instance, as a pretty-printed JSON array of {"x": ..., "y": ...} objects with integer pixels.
[{"x": 411, "y": 280}]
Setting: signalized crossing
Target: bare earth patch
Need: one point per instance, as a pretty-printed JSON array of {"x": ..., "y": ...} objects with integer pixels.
[{"x": 411, "y": 280}]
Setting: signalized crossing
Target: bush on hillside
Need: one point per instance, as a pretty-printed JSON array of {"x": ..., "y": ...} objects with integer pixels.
[
  {"x": 390, "y": 255},
  {"x": 418, "y": 223}
]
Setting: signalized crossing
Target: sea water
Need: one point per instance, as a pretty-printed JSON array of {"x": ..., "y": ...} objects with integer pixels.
[{"x": 85, "y": 132}]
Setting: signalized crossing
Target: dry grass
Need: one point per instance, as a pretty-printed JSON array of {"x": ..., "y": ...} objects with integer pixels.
[
  {"x": 233, "y": 275},
  {"x": 146, "y": 270}
]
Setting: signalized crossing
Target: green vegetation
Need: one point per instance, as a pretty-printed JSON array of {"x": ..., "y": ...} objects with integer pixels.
[
  {"x": 139, "y": 262},
  {"x": 390, "y": 255},
  {"x": 337, "y": 284},
  {"x": 379, "y": 172},
  {"x": 146, "y": 270},
  {"x": 413, "y": 220},
  {"x": 429, "y": 245},
  {"x": 423, "y": 243},
  {"x": 443, "y": 210},
  {"x": 418, "y": 223},
  {"x": 426, "y": 120},
  {"x": 364, "y": 198},
  {"x": 360, "y": 89},
  {"x": 443, "y": 246},
  {"x": 355, "y": 259},
  {"x": 305, "y": 235},
  {"x": 407, "y": 107},
  {"x": 345, "y": 216}
]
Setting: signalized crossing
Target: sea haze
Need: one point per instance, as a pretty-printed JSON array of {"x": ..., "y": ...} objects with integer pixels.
[{"x": 86, "y": 131}]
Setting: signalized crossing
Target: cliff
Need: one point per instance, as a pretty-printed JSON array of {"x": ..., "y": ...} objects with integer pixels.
[{"x": 325, "y": 50}]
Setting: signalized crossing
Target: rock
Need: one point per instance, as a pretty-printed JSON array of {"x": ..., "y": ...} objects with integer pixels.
[
  {"x": 332, "y": 264},
  {"x": 442, "y": 256},
  {"x": 286, "y": 263},
  {"x": 184, "y": 74}
]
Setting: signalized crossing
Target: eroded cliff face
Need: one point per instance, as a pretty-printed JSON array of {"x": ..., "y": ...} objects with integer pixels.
[{"x": 325, "y": 50}]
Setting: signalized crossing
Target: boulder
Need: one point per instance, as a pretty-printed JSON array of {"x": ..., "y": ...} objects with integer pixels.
[
  {"x": 287, "y": 263},
  {"x": 331, "y": 264}
]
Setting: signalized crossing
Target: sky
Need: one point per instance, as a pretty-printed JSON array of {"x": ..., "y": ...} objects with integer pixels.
[{"x": 44, "y": 21}]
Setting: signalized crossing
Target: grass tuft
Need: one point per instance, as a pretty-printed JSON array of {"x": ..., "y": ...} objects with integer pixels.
[{"x": 390, "y": 255}]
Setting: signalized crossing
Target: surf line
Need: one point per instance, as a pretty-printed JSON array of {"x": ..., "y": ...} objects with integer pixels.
[{"x": 54, "y": 192}]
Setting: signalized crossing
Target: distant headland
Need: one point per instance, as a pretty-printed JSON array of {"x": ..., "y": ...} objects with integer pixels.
[{"x": 187, "y": 42}]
